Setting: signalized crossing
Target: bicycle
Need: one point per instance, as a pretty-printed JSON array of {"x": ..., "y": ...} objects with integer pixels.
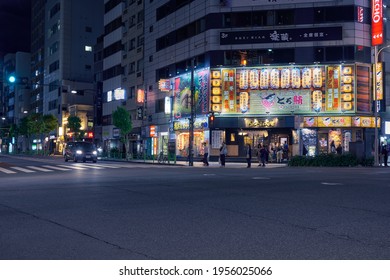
[{"x": 162, "y": 158}]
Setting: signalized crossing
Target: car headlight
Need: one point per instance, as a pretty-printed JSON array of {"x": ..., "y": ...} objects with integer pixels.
[
  {"x": 79, "y": 152},
  {"x": 94, "y": 152}
]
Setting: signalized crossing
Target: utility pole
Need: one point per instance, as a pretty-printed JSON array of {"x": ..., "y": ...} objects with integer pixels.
[{"x": 192, "y": 118}]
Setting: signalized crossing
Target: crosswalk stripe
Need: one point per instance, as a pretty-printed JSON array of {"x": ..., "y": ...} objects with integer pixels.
[
  {"x": 108, "y": 165},
  {"x": 6, "y": 170},
  {"x": 39, "y": 168},
  {"x": 73, "y": 166},
  {"x": 56, "y": 167},
  {"x": 91, "y": 166},
  {"x": 23, "y": 169}
]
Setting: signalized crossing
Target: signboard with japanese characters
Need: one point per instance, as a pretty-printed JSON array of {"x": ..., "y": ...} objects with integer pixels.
[
  {"x": 281, "y": 35},
  {"x": 284, "y": 90},
  {"x": 251, "y": 3}
]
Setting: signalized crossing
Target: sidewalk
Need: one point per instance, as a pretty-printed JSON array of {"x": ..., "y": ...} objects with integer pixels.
[{"x": 183, "y": 163}]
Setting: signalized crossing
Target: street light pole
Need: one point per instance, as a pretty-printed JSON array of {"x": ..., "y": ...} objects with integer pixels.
[
  {"x": 376, "y": 104},
  {"x": 192, "y": 118}
]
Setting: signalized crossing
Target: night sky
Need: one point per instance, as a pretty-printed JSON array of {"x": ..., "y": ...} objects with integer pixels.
[{"x": 15, "y": 26}]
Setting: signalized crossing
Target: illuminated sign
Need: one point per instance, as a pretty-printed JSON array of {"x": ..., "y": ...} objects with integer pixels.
[
  {"x": 284, "y": 90},
  {"x": 164, "y": 85},
  {"x": 117, "y": 94},
  {"x": 168, "y": 107},
  {"x": 281, "y": 35},
  {"x": 376, "y": 22},
  {"x": 140, "y": 96},
  {"x": 378, "y": 81},
  {"x": 360, "y": 14},
  {"x": 357, "y": 121},
  {"x": 152, "y": 131}
]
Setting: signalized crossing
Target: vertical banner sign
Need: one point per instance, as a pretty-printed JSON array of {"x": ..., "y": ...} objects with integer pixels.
[
  {"x": 379, "y": 81},
  {"x": 228, "y": 93},
  {"x": 332, "y": 91},
  {"x": 377, "y": 23}
]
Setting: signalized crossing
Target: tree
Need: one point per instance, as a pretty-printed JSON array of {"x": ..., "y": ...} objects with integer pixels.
[
  {"x": 74, "y": 124},
  {"x": 38, "y": 125},
  {"x": 122, "y": 120}
]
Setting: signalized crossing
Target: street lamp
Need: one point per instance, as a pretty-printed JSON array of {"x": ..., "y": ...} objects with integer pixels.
[{"x": 375, "y": 89}]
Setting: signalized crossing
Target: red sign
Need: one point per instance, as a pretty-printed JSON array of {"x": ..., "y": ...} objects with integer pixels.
[{"x": 377, "y": 23}]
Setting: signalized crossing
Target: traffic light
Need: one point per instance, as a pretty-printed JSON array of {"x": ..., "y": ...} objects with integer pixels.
[
  {"x": 211, "y": 120},
  {"x": 17, "y": 80},
  {"x": 12, "y": 79}
]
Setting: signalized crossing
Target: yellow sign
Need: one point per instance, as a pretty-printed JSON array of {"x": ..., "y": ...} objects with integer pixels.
[
  {"x": 379, "y": 81},
  {"x": 356, "y": 121}
]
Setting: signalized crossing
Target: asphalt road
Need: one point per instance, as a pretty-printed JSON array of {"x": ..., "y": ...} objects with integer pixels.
[{"x": 113, "y": 210}]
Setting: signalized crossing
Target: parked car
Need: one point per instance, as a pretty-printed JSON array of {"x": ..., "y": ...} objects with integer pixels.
[{"x": 80, "y": 151}]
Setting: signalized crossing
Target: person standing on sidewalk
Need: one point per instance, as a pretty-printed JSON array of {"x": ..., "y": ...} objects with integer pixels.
[
  {"x": 222, "y": 154},
  {"x": 205, "y": 154},
  {"x": 248, "y": 155},
  {"x": 385, "y": 154},
  {"x": 263, "y": 155}
]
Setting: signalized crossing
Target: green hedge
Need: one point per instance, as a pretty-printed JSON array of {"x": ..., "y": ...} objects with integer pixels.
[{"x": 330, "y": 160}]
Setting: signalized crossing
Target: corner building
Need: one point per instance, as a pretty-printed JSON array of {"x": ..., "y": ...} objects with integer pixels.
[{"x": 267, "y": 72}]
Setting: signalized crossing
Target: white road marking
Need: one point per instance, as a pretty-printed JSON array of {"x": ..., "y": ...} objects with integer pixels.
[
  {"x": 6, "y": 171},
  {"x": 261, "y": 178},
  {"x": 23, "y": 169},
  {"x": 331, "y": 184},
  {"x": 90, "y": 166},
  {"x": 73, "y": 167},
  {"x": 56, "y": 168},
  {"x": 39, "y": 168}
]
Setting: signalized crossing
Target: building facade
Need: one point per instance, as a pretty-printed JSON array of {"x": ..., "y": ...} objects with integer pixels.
[
  {"x": 71, "y": 30},
  {"x": 268, "y": 72}
]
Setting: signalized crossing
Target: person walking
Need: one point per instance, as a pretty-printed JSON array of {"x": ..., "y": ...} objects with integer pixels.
[
  {"x": 332, "y": 147},
  {"x": 258, "y": 153},
  {"x": 339, "y": 149},
  {"x": 248, "y": 155},
  {"x": 263, "y": 155},
  {"x": 279, "y": 155},
  {"x": 222, "y": 154},
  {"x": 385, "y": 154},
  {"x": 205, "y": 154}
]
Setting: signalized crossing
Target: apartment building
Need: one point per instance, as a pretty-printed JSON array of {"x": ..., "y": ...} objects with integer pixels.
[{"x": 71, "y": 30}]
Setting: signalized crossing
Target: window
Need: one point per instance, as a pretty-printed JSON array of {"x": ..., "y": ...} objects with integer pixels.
[
  {"x": 132, "y": 44},
  {"x": 160, "y": 105},
  {"x": 88, "y": 48},
  {"x": 140, "y": 41},
  {"x": 88, "y": 29},
  {"x": 54, "y": 66},
  {"x": 140, "y": 64},
  {"x": 54, "y": 10},
  {"x": 53, "y": 48},
  {"x": 132, "y": 68},
  {"x": 88, "y": 67},
  {"x": 151, "y": 29},
  {"x": 131, "y": 93},
  {"x": 53, "y": 105},
  {"x": 151, "y": 58}
]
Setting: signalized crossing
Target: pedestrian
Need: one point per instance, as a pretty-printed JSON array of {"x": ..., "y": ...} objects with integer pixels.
[
  {"x": 222, "y": 154},
  {"x": 263, "y": 155},
  {"x": 279, "y": 155},
  {"x": 385, "y": 154},
  {"x": 248, "y": 155},
  {"x": 205, "y": 154},
  {"x": 258, "y": 153},
  {"x": 339, "y": 149},
  {"x": 332, "y": 147}
]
